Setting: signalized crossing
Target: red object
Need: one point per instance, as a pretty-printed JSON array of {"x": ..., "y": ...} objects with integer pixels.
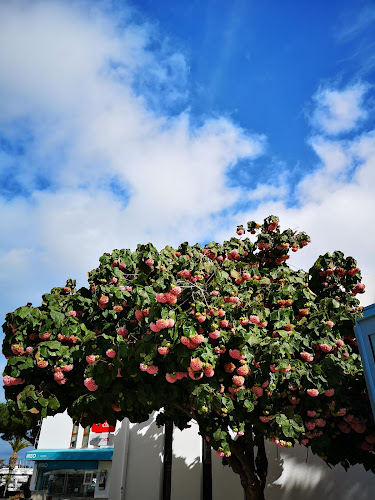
[{"x": 105, "y": 427}]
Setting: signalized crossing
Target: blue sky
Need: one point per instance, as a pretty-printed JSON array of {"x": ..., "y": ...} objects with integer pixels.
[{"x": 165, "y": 121}]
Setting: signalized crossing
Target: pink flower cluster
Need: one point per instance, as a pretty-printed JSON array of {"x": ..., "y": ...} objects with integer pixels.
[
  {"x": 161, "y": 324},
  {"x": 236, "y": 354},
  {"x": 91, "y": 359},
  {"x": 90, "y": 384},
  {"x": 151, "y": 369},
  {"x": 8, "y": 380},
  {"x": 173, "y": 377}
]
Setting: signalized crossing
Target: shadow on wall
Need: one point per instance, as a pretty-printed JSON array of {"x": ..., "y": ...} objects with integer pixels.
[{"x": 291, "y": 477}]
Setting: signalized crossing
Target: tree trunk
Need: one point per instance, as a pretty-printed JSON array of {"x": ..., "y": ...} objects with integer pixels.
[{"x": 249, "y": 460}]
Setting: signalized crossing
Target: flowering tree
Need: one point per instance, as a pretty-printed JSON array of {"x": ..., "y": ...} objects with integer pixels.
[{"x": 228, "y": 335}]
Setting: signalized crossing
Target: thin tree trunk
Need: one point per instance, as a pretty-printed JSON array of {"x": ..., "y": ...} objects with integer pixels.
[{"x": 249, "y": 460}]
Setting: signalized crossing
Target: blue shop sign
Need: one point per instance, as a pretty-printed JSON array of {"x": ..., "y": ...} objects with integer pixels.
[
  {"x": 71, "y": 454},
  {"x": 68, "y": 464}
]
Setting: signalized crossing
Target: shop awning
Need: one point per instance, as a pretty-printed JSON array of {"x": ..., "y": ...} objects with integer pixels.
[{"x": 71, "y": 454}]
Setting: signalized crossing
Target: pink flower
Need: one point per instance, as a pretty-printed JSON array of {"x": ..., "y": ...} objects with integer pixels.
[
  {"x": 196, "y": 364},
  {"x": 235, "y": 354},
  {"x": 304, "y": 441},
  {"x": 177, "y": 290},
  {"x": 329, "y": 392},
  {"x": 238, "y": 380},
  {"x": 264, "y": 419},
  {"x": 58, "y": 375},
  {"x": 243, "y": 370},
  {"x": 181, "y": 375},
  {"x": 320, "y": 422},
  {"x": 29, "y": 350},
  {"x": 313, "y": 392},
  {"x": 115, "y": 407},
  {"x": 214, "y": 335},
  {"x": 163, "y": 323},
  {"x": 306, "y": 356},
  {"x": 138, "y": 315},
  {"x": 42, "y": 363},
  {"x": 255, "y": 319},
  {"x": 8, "y": 380},
  {"x": 91, "y": 359},
  {"x": 143, "y": 367},
  {"x": 171, "y": 378},
  {"x": 197, "y": 339},
  {"x": 311, "y": 413},
  {"x": 149, "y": 262},
  {"x": 339, "y": 342},
  {"x": 239, "y": 433},
  {"x": 163, "y": 350},
  {"x": 171, "y": 298},
  {"x": 224, "y": 323},
  {"x": 110, "y": 353},
  {"x": 67, "y": 368},
  {"x": 325, "y": 348},
  {"x": 220, "y": 454},
  {"x": 154, "y": 328},
  {"x": 103, "y": 300},
  {"x": 152, "y": 369},
  {"x": 73, "y": 313},
  {"x": 114, "y": 280},
  {"x": 341, "y": 412},
  {"x": 160, "y": 297},
  {"x": 214, "y": 293},
  {"x": 330, "y": 323},
  {"x": 45, "y": 336},
  {"x": 123, "y": 332},
  {"x": 258, "y": 391},
  {"x": 90, "y": 384},
  {"x": 345, "y": 428}
]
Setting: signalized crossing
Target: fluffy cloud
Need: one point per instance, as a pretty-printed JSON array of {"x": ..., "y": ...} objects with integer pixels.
[
  {"x": 339, "y": 111},
  {"x": 94, "y": 158},
  {"x": 99, "y": 161}
]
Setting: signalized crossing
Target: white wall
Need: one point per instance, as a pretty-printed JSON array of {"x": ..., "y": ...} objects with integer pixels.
[
  {"x": 56, "y": 432},
  {"x": 186, "y": 463},
  {"x": 144, "y": 465}
]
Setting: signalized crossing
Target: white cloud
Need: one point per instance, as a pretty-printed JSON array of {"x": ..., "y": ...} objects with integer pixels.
[
  {"x": 87, "y": 98},
  {"x": 339, "y": 111}
]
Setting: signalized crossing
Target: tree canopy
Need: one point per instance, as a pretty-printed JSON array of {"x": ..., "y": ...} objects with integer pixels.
[{"x": 228, "y": 335}]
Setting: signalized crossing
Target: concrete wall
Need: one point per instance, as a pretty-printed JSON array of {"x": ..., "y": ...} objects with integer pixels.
[
  {"x": 56, "y": 432},
  {"x": 144, "y": 466}
]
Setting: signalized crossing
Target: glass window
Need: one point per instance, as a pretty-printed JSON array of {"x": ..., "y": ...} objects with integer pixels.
[
  {"x": 73, "y": 440},
  {"x": 86, "y": 435}
]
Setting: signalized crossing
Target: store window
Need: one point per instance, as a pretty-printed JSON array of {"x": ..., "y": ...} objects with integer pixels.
[
  {"x": 73, "y": 440},
  {"x": 71, "y": 483},
  {"x": 86, "y": 435}
]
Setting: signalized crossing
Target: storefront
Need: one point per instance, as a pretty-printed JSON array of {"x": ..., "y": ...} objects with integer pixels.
[{"x": 72, "y": 473}]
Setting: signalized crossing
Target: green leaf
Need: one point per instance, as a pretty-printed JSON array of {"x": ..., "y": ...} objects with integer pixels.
[
  {"x": 57, "y": 317},
  {"x": 22, "y": 312},
  {"x": 42, "y": 401},
  {"x": 53, "y": 403}
]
